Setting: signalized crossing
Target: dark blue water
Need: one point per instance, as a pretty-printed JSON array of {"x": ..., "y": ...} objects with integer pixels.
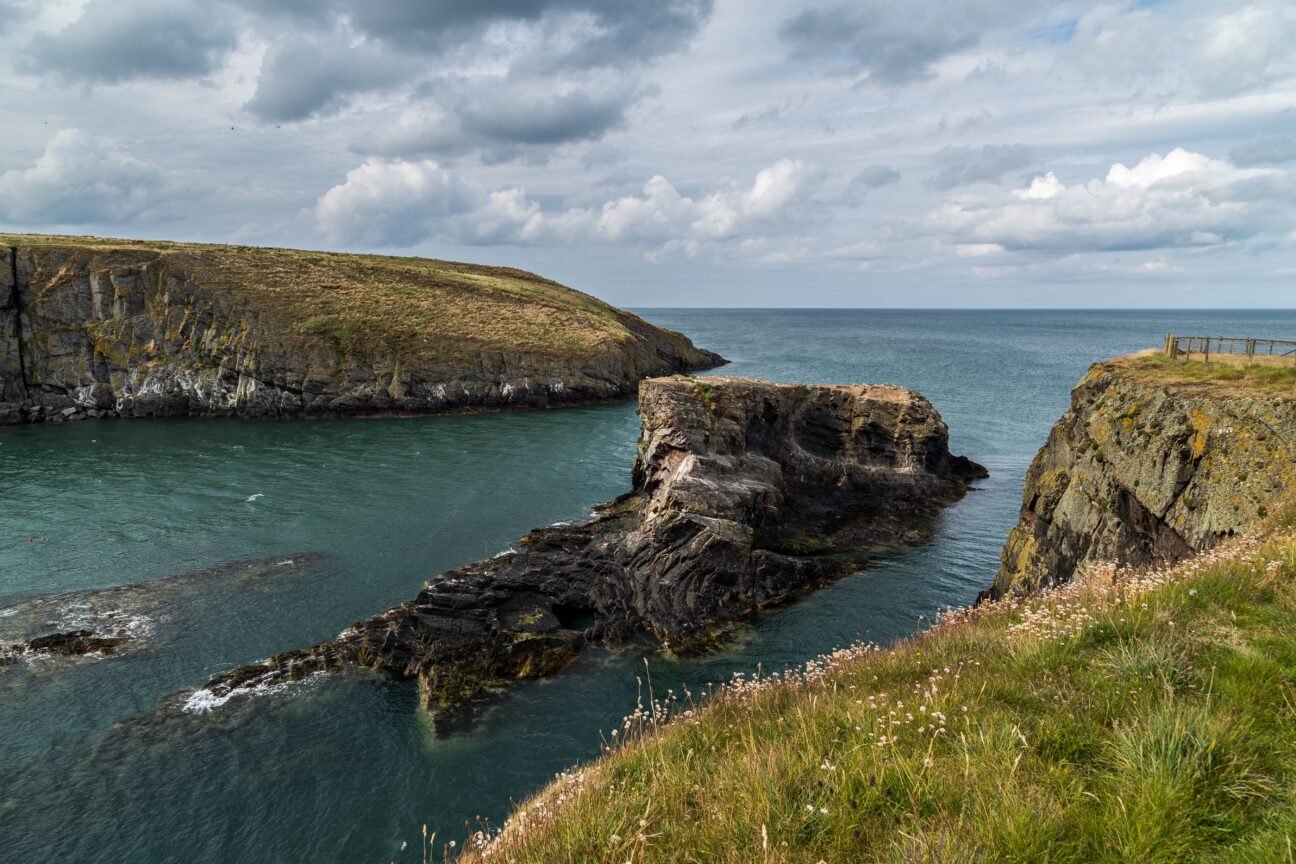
[{"x": 347, "y": 769}]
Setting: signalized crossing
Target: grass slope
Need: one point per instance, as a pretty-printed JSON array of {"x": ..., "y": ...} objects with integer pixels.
[
  {"x": 1143, "y": 716},
  {"x": 426, "y": 309},
  {"x": 1223, "y": 379}
]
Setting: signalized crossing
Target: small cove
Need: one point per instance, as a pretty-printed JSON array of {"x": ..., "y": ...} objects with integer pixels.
[{"x": 346, "y": 768}]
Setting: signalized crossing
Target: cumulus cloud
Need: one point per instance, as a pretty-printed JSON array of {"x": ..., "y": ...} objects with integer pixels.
[
  {"x": 77, "y": 180},
  {"x": 960, "y": 166},
  {"x": 121, "y": 40},
  {"x": 894, "y": 43},
  {"x": 1182, "y": 199},
  {"x": 402, "y": 203},
  {"x": 395, "y": 203}
]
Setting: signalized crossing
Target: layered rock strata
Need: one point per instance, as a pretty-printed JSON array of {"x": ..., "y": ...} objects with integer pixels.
[
  {"x": 1143, "y": 468},
  {"x": 102, "y": 330},
  {"x": 745, "y": 493}
]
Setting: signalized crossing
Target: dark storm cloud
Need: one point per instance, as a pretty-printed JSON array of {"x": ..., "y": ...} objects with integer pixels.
[
  {"x": 1265, "y": 150},
  {"x": 876, "y": 176},
  {"x": 575, "y": 116},
  {"x": 892, "y": 43},
  {"x": 502, "y": 122},
  {"x": 626, "y": 32},
  {"x": 960, "y": 166},
  {"x": 306, "y": 76},
  {"x": 538, "y": 102},
  {"x": 11, "y": 12},
  {"x": 122, "y": 41}
]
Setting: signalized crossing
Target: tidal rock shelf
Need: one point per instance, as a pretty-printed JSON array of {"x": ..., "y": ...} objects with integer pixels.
[
  {"x": 745, "y": 493},
  {"x": 58, "y": 630},
  {"x": 94, "y": 328}
]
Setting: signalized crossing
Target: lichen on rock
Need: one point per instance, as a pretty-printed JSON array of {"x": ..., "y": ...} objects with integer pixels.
[{"x": 1146, "y": 467}]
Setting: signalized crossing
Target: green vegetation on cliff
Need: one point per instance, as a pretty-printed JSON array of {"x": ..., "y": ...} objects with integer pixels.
[
  {"x": 1145, "y": 715},
  {"x": 1221, "y": 379}
]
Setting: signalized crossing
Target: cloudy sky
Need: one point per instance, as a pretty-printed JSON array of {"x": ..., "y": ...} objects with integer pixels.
[{"x": 684, "y": 152}]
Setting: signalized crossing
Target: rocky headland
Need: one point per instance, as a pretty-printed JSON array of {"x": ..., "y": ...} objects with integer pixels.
[
  {"x": 1154, "y": 460},
  {"x": 744, "y": 494},
  {"x": 118, "y": 328}
]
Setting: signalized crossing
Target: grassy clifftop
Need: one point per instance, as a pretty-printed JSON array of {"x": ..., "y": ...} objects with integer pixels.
[
  {"x": 426, "y": 309},
  {"x": 122, "y": 328},
  {"x": 1146, "y": 715},
  {"x": 1215, "y": 379}
]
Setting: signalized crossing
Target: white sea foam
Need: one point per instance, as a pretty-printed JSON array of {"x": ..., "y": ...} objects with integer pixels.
[
  {"x": 203, "y": 701},
  {"x": 8, "y": 613},
  {"x": 256, "y": 496},
  {"x": 105, "y": 622}
]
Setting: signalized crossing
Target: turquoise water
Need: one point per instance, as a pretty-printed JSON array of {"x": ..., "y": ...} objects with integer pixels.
[{"x": 347, "y": 769}]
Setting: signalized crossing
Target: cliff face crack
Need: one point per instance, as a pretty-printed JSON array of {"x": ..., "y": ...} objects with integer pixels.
[
  {"x": 679, "y": 558},
  {"x": 15, "y": 299}
]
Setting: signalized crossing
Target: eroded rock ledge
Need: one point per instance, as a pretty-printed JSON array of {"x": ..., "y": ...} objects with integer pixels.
[
  {"x": 1144, "y": 467},
  {"x": 745, "y": 493}
]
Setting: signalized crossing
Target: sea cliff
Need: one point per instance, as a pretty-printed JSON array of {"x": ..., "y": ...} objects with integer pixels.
[
  {"x": 1083, "y": 714},
  {"x": 106, "y": 328},
  {"x": 744, "y": 494},
  {"x": 1154, "y": 460}
]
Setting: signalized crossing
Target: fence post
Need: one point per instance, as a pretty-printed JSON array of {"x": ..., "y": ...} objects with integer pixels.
[{"x": 1169, "y": 346}]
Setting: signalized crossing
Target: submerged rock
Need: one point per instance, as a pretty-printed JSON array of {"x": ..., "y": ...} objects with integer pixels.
[
  {"x": 93, "y": 328},
  {"x": 744, "y": 494},
  {"x": 123, "y": 619},
  {"x": 1150, "y": 465}
]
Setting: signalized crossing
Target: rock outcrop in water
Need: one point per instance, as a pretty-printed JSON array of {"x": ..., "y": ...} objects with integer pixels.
[
  {"x": 1150, "y": 465},
  {"x": 744, "y": 494},
  {"x": 97, "y": 328}
]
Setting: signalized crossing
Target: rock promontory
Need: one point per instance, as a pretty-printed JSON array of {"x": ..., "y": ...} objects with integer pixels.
[
  {"x": 105, "y": 328},
  {"x": 1155, "y": 459},
  {"x": 744, "y": 494}
]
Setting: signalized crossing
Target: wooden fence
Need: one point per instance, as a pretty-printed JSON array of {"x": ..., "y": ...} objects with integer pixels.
[{"x": 1235, "y": 349}]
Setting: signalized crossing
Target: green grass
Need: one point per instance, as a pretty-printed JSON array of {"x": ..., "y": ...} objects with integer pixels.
[
  {"x": 1227, "y": 379},
  {"x": 1145, "y": 716},
  {"x": 425, "y": 309}
]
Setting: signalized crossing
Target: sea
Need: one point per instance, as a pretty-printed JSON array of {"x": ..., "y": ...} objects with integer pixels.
[{"x": 228, "y": 541}]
